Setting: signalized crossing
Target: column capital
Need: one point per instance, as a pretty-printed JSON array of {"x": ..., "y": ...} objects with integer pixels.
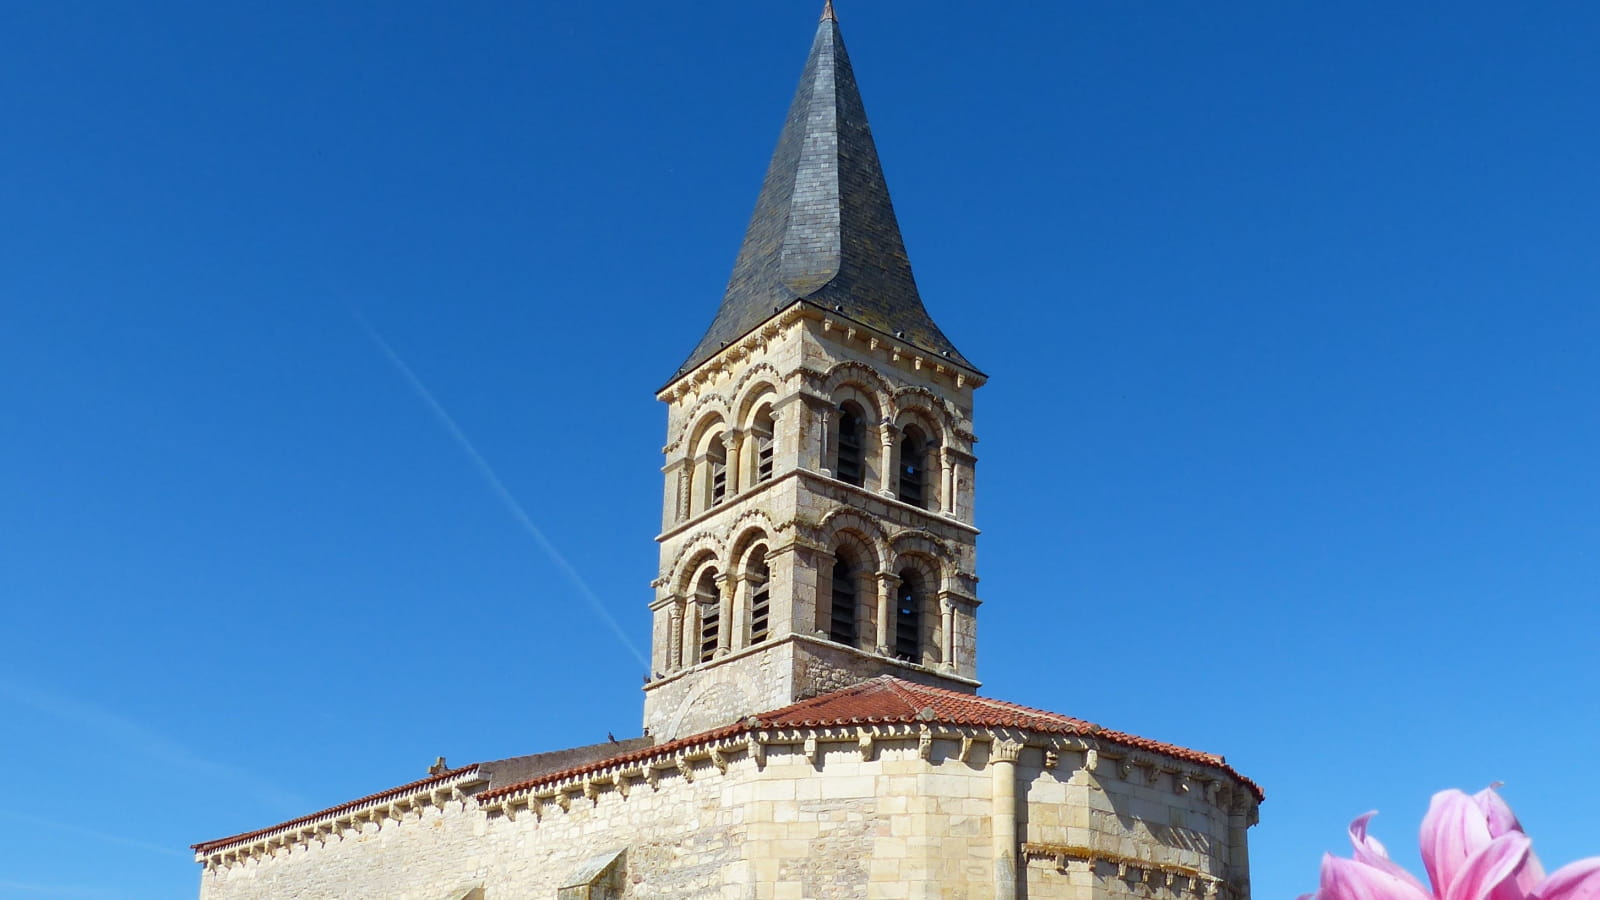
[{"x": 1005, "y": 751}]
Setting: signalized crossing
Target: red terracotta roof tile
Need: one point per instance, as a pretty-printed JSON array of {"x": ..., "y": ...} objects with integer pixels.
[{"x": 887, "y": 700}]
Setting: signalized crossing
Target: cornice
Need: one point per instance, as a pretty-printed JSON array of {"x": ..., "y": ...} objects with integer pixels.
[
  {"x": 730, "y": 504},
  {"x": 322, "y": 826},
  {"x": 723, "y": 362},
  {"x": 898, "y": 349},
  {"x": 713, "y": 754}
]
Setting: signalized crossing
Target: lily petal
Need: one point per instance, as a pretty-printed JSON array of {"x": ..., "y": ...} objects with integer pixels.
[
  {"x": 1574, "y": 881},
  {"x": 1496, "y": 811},
  {"x": 1490, "y": 868},
  {"x": 1346, "y": 879},
  {"x": 1454, "y": 830},
  {"x": 1370, "y": 851},
  {"x": 1501, "y": 820}
]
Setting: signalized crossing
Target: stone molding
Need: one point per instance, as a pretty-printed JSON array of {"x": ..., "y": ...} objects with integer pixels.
[
  {"x": 1148, "y": 871},
  {"x": 705, "y": 516}
]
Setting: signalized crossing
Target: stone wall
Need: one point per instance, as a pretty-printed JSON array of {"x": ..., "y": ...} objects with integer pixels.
[{"x": 831, "y": 815}]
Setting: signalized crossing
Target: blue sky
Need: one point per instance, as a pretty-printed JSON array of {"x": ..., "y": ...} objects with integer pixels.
[{"x": 1288, "y": 450}]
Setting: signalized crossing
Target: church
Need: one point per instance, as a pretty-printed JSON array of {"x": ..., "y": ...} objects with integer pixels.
[{"x": 812, "y": 726}]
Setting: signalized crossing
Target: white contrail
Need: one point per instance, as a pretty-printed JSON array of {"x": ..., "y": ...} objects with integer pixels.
[{"x": 499, "y": 487}]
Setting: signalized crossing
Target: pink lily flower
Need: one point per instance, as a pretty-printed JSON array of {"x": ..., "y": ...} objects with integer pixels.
[{"x": 1473, "y": 848}]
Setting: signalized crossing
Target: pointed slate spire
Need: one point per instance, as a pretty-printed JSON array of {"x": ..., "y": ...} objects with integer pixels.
[{"x": 824, "y": 230}]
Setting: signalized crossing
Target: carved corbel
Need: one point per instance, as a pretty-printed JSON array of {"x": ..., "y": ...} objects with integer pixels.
[
  {"x": 866, "y": 744},
  {"x": 757, "y": 750},
  {"x": 966, "y": 748},
  {"x": 718, "y": 760},
  {"x": 620, "y": 782},
  {"x": 590, "y": 791},
  {"x": 1091, "y": 760},
  {"x": 686, "y": 769},
  {"x": 811, "y": 749},
  {"x": 925, "y": 744},
  {"x": 563, "y": 800},
  {"x": 652, "y": 777}
]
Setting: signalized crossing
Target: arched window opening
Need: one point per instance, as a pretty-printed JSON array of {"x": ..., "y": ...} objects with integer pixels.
[
  {"x": 842, "y": 621},
  {"x": 851, "y": 428},
  {"x": 764, "y": 450},
  {"x": 717, "y": 464},
  {"x": 709, "y": 600},
  {"x": 913, "y": 466},
  {"x": 760, "y": 598},
  {"x": 908, "y": 618}
]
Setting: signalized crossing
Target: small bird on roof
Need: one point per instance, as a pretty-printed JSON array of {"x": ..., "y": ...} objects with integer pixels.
[{"x": 611, "y": 737}]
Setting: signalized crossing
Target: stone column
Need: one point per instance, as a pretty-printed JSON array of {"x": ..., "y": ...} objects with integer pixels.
[
  {"x": 742, "y": 602},
  {"x": 733, "y": 442},
  {"x": 947, "y": 482},
  {"x": 888, "y": 583},
  {"x": 675, "y": 635},
  {"x": 725, "y": 588},
  {"x": 1239, "y": 822},
  {"x": 947, "y": 631},
  {"x": 739, "y": 607},
  {"x": 689, "y": 648},
  {"x": 887, "y": 476},
  {"x": 1003, "y": 763}
]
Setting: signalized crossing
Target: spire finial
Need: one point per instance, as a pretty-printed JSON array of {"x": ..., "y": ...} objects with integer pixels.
[{"x": 827, "y": 12}]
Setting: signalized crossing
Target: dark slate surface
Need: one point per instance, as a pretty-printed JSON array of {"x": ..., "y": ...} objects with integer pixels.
[
  {"x": 824, "y": 230},
  {"x": 504, "y": 772}
]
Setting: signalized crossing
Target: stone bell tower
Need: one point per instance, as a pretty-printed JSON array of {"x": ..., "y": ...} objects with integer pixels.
[{"x": 817, "y": 518}]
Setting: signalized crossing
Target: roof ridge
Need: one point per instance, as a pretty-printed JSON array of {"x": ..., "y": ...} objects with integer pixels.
[
  {"x": 901, "y": 689},
  {"x": 997, "y": 703}
]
